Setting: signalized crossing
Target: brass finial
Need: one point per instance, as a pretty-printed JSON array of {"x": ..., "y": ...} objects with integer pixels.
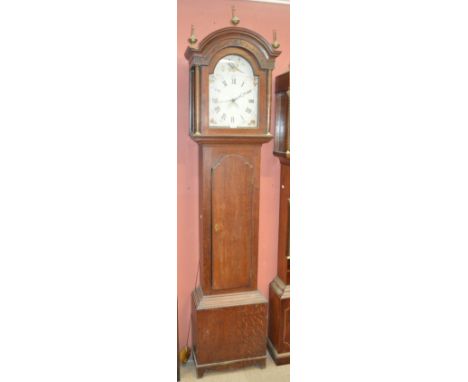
[
  {"x": 275, "y": 44},
  {"x": 234, "y": 20},
  {"x": 192, "y": 39}
]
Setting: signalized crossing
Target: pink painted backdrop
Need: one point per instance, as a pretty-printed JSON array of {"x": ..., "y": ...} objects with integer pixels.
[{"x": 207, "y": 16}]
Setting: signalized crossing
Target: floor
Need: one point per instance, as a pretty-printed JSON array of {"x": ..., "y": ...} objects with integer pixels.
[{"x": 271, "y": 373}]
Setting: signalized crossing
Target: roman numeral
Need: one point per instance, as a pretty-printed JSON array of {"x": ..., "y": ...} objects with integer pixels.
[
  {"x": 233, "y": 81},
  {"x": 217, "y": 109},
  {"x": 248, "y": 110},
  {"x": 223, "y": 117},
  {"x": 224, "y": 83},
  {"x": 232, "y": 119},
  {"x": 251, "y": 100}
]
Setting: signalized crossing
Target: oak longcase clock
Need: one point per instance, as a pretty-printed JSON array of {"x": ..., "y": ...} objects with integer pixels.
[{"x": 230, "y": 107}]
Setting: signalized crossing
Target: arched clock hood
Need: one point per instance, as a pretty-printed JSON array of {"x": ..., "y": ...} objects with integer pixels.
[
  {"x": 230, "y": 37},
  {"x": 202, "y": 61}
]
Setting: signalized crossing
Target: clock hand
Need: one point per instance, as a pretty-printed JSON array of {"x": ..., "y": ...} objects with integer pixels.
[
  {"x": 233, "y": 100},
  {"x": 234, "y": 67},
  {"x": 241, "y": 95}
]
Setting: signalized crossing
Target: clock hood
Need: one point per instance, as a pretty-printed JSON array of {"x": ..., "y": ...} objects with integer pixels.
[{"x": 237, "y": 37}]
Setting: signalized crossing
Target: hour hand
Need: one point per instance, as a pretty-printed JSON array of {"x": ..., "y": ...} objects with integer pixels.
[{"x": 234, "y": 67}]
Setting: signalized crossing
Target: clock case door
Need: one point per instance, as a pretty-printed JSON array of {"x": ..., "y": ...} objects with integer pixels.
[{"x": 229, "y": 210}]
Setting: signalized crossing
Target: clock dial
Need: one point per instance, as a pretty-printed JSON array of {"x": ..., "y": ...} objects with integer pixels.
[{"x": 233, "y": 94}]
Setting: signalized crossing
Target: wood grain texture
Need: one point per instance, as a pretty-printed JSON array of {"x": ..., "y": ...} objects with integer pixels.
[
  {"x": 279, "y": 321},
  {"x": 229, "y": 197},
  {"x": 232, "y": 188},
  {"x": 228, "y": 333}
]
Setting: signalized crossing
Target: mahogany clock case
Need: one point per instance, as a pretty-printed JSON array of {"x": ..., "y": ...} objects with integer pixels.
[
  {"x": 229, "y": 315},
  {"x": 279, "y": 291},
  {"x": 282, "y": 130}
]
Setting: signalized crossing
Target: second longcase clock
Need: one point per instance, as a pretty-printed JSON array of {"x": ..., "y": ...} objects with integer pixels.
[
  {"x": 279, "y": 295},
  {"x": 230, "y": 104}
]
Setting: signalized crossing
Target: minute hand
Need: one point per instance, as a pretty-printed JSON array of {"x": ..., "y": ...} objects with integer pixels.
[{"x": 242, "y": 94}]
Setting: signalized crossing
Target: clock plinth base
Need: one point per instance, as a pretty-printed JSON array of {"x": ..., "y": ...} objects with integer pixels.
[
  {"x": 278, "y": 325},
  {"x": 229, "y": 331},
  {"x": 278, "y": 358},
  {"x": 229, "y": 365}
]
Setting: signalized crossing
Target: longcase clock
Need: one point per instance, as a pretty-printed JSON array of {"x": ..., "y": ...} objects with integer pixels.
[
  {"x": 230, "y": 106},
  {"x": 278, "y": 326}
]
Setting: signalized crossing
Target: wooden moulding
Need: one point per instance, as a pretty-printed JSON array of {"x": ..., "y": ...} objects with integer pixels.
[
  {"x": 282, "y": 83},
  {"x": 217, "y": 301},
  {"x": 229, "y": 365},
  {"x": 230, "y": 139},
  {"x": 229, "y": 330},
  {"x": 278, "y": 358},
  {"x": 281, "y": 289},
  {"x": 233, "y": 37}
]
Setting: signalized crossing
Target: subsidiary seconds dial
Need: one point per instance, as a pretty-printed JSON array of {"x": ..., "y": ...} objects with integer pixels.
[{"x": 233, "y": 94}]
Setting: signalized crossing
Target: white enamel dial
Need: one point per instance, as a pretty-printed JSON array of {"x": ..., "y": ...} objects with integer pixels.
[{"x": 233, "y": 94}]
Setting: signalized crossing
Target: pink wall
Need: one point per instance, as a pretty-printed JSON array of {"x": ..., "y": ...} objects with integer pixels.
[{"x": 207, "y": 16}]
